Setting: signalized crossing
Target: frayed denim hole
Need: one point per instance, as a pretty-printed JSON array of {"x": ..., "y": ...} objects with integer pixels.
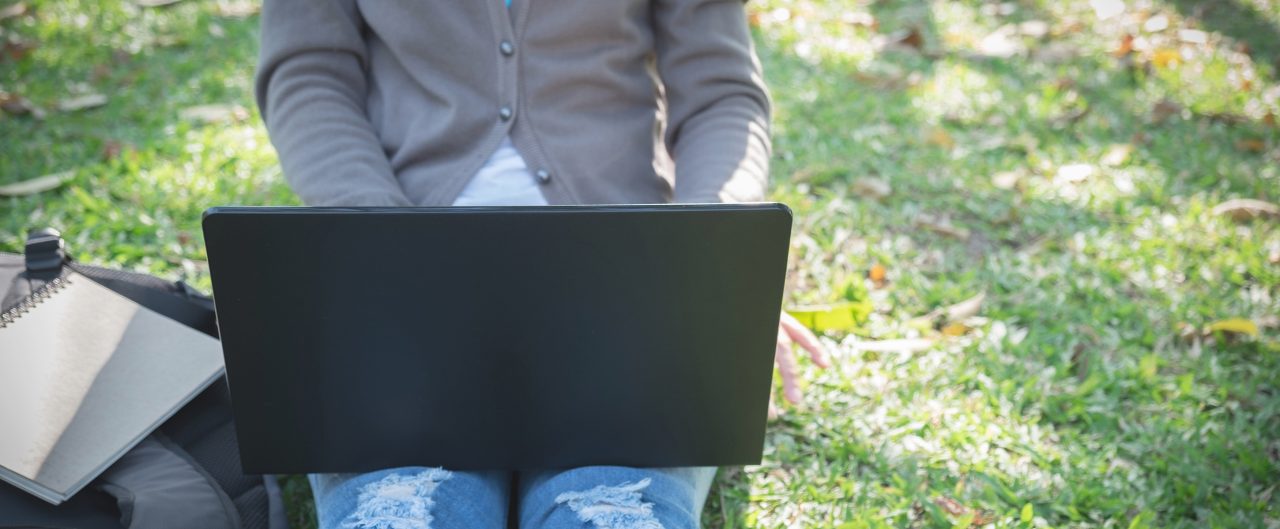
[
  {"x": 397, "y": 501},
  {"x": 617, "y": 507}
]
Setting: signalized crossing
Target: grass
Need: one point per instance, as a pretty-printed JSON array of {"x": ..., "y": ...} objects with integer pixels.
[{"x": 1070, "y": 183}]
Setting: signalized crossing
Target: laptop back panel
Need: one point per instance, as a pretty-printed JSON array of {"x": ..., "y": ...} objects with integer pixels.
[{"x": 498, "y": 338}]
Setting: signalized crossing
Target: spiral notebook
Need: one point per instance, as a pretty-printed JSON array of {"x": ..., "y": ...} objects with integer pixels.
[{"x": 85, "y": 374}]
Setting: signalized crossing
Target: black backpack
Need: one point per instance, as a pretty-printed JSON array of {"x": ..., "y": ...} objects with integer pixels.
[{"x": 201, "y": 435}]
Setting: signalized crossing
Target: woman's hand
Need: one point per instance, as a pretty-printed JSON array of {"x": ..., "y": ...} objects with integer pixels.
[{"x": 791, "y": 331}]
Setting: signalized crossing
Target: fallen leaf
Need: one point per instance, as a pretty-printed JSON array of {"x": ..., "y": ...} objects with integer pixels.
[
  {"x": 1125, "y": 46},
  {"x": 111, "y": 150},
  {"x": 877, "y": 274},
  {"x": 938, "y": 136},
  {"x": 907, "y": 345},
  {"x": 908, "y": 40},
  {"x": 952, "y": 507},
  {"x": 1243, "y": 209},
  {"x": 17, "y": 105},
  {"x": 1165, "y": 57},
  {"x": 13, "y": 10},
  {"x": 1233, "y": 325},
  {"x": 215, "y": 113},
  {"x": 941, "y": 226},
  {"x": 16, "y": 49},
  {"x": 35, "y": 185},
  {"x": 837, "y": 317},
  {"x": 83, "y": 102},
  {"x": 1117, "y": 154},
  {"x": 965, "y": 309},
  {"x": 1251, "y": 145},
  {"x": 955, "y": 329},
  {"x": 1165, "y": 109},
  {"x": 871, "y": 187}
]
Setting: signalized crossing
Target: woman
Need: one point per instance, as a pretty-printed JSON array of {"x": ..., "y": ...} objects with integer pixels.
[{"x": 471, "y": 102}]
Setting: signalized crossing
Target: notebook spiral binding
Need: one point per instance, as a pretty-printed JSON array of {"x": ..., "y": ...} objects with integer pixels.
[{"x": 36, "y": 297}]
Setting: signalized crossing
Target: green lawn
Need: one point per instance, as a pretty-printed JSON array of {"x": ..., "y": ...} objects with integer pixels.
[{"x": 1025, "y": 151}]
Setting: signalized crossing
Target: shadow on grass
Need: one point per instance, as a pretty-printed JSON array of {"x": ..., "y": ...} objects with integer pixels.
[{"x": 1240, "y": 21}]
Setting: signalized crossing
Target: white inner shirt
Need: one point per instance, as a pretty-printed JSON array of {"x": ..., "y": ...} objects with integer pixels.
[{"x": 503, "y": 181}]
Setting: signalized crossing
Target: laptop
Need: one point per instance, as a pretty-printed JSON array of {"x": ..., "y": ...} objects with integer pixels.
[{"x": 498, "y": 337}]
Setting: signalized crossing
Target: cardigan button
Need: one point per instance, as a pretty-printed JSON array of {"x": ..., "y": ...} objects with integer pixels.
[
  {"x": 542, "y": 175},
  {"x": 507, "y": 48},
  {"x": 505, "y": 113}
]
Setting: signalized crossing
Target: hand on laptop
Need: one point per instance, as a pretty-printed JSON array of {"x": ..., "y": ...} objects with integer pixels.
[{"x": 792, "y": 331}]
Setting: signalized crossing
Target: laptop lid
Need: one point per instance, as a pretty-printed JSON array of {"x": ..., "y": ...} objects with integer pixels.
[{"x": 498, "y": 338}]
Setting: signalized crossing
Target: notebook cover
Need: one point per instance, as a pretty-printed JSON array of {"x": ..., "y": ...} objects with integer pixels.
[{"x": 85, "y": 374}]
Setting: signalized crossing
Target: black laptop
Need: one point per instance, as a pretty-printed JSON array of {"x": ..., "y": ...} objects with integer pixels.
[{"x": 498, "y": 337}]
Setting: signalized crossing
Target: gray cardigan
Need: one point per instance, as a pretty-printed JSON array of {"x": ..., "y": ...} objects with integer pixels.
[{"x": 381, "y": 102}]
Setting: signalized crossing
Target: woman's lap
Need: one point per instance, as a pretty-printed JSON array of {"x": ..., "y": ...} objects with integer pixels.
[{"x": 586, "y": 497}]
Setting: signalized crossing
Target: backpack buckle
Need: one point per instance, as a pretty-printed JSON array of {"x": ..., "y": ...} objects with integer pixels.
[{"x": 44, "y": 253}]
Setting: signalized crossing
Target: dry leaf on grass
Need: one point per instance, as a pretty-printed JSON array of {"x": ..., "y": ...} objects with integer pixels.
[
  {"x": 939, "y": 136},
  {"x": 878, "y": 275},
  {"x": 1251, "y": 145},
  {"x": 15, "y": 49},
  {"x": 871, "y": 187},
  {"x": 965, "y": 309},
  {"x": 35, "y": 185},
  {"x": 83, "y": 102},
  {"x": 955, "y": 329},
  {"x": 905, "y": 40},
  {"x": 1165, "y": 109},
  {"x": 1124, "y": 47},
  {"x": 1243, "y": 209},
  {"x": 941, "y": 226},
  {"x": 1233, "y": 326},
  {"x": 215, "y": 113},
  {"x": 16, "y": 105}
]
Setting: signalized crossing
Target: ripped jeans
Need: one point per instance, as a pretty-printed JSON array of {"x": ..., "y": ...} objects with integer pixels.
[{"x": 598, "y": 497}]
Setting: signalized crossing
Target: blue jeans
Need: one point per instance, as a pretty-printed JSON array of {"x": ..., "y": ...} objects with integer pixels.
[{"x": 600, "y": 497}]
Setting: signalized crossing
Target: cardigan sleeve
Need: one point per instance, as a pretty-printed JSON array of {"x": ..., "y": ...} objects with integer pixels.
[
  {"x": 311, "y": 90},
  {"x": 717, "y": 103}
]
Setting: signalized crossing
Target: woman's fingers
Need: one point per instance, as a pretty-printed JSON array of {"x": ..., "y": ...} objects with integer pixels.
[
  {"x": 803, "y": 336},
  {"x": 788, "y": 370}
]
